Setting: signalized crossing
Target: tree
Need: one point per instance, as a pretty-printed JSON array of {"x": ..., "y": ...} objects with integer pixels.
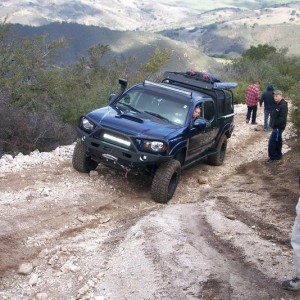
[
  {"x": 43, "y": 100},
  {"x": 259, "y": 52},
  {"x": 29, "y": 119},
  {"x": 159, "y": 58},
  {"x": 96, "y": 54}
]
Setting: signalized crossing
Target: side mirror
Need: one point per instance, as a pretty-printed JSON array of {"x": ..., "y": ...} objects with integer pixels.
[{"x": 201, "y": 123}]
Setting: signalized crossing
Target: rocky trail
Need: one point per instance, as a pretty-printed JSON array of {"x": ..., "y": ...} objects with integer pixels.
[{"x": 224, "y": 235}]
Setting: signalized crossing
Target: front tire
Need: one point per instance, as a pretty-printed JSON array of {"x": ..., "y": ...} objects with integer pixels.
[
  {"x": 218, "y": 158},
  {"x": 165, "y": 181},
  {"x": 81, "y": 162}
]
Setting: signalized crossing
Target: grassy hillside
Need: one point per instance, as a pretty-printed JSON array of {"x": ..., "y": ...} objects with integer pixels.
[
  {"x": 229, "y": 32},
  {"x": 123, "y": 44},
  {"x": 146, "y": 15},
  {"x": 219, "y": 32}
]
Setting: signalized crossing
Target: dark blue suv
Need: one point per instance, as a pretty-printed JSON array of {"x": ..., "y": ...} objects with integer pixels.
[{"x": 149, "y": 128}]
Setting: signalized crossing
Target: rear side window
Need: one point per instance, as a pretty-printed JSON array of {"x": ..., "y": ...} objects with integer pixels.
[
  {"x": 209, "y": 110},
  {"x": 225, "y": 106}
]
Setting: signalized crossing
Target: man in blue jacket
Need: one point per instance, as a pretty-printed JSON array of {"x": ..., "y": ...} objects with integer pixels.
[
  {"x": 278, "y": 123},
  {"x": 267, "y": 98}
]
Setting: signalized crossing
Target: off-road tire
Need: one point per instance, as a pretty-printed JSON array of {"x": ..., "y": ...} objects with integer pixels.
[
  {"x": 81, "y": 162},
  {"x": 218, "y": 158},
  {"x": 165, "y": 181}
]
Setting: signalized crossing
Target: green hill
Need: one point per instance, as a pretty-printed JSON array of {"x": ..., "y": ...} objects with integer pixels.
[
  {"x": 229, "y": 32},
  {"x": 123, "y": 44}
]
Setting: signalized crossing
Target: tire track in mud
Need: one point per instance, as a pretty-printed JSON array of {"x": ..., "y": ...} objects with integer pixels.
[
  {"x": 256, "y": 284},
  {"x": 183, "y": 259}
]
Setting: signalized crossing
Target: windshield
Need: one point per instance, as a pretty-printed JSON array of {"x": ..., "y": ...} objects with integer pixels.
[{"x": 161, "y": 105}]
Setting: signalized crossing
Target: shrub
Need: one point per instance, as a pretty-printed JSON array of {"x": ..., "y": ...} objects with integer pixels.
[
  {"x": 239, "y": 93},
  {"x": 294, "y": 93},
  {"x": 25, "y": 130}
]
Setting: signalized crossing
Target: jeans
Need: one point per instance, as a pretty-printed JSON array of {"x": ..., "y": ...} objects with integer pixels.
[
  {"x": 275, "y": 144},
  {"x": 253, "y": 110},
  {"x": 267, "y": 115}
]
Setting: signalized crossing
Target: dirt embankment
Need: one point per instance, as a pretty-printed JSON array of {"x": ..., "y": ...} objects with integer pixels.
[{"x": 224, "y": 235}]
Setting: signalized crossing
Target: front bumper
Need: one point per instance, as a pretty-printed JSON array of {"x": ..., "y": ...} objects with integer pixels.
[{"x": 119, "y": 157}]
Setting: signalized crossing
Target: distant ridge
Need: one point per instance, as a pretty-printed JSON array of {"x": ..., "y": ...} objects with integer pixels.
[
  {"x": 123, "y": 44},
  {"x": 218, "y": 28},
  {"x": 114, "y": 14}
]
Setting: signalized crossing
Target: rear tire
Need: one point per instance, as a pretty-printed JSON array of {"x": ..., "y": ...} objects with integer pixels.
[
  {"x": 218, "y": 158},
  {"x": 165, "y": 181},
  {"x": 81, "y": 162}
]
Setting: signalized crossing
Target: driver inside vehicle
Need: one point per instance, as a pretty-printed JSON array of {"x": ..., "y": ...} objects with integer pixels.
[
  {"x": 196, "y": 113},
  {"x": 202, "y": 123}
]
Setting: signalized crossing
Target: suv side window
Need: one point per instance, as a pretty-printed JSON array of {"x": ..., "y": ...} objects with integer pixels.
[
  {"x": 208, "y": 110},
  {"x": 225, "y": 105}
]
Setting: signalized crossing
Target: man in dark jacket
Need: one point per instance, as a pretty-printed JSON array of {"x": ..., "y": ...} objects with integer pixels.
[
  {"x": 278, "y": 123},
  {"x": 269, "y": 105}
]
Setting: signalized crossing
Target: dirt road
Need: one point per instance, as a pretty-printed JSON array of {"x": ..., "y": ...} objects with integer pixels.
[{"x": 224, "y": 235}]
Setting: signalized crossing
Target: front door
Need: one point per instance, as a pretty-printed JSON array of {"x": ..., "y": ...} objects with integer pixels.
[{"x": 201, "y": 140}]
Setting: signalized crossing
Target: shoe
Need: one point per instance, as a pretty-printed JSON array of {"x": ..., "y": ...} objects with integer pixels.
[
  {"x": 247, "y": 121},
  {"x": 254, "y": 123},
  {"x": 270, "y": 161},
  {"x": 292, "y": 284}
]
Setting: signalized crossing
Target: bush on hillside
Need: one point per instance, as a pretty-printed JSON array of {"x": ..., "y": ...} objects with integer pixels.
[
  {"x": 294, "y": 94},
  {"x": 41, "y": 102},
  {"x": 25, "y": 130},
  {"x": 239, "y": 92}
]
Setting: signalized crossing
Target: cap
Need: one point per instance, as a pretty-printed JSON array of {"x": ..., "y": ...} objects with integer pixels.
[{"x": 277, "y": 92}]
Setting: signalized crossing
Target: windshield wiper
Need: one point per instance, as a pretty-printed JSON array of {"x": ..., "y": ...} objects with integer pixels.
[
  {"x": 156, "y": 115},
  {"x": 130, "y": 107}
]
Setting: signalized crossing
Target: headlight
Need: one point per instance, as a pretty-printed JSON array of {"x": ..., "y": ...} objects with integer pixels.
[
  {"x": 87, "y": 125},
  {"x": 154, "y": 146}
]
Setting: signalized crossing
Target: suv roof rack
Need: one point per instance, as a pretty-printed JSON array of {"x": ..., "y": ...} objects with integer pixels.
[
  {"x": 198, "y": 79},
  {"x": 185, "y": 78}
]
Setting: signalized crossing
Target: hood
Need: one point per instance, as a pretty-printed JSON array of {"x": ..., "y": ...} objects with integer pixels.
[
  {"x": 134, "y": 124},
  {"x": 270, "y": 88}
]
